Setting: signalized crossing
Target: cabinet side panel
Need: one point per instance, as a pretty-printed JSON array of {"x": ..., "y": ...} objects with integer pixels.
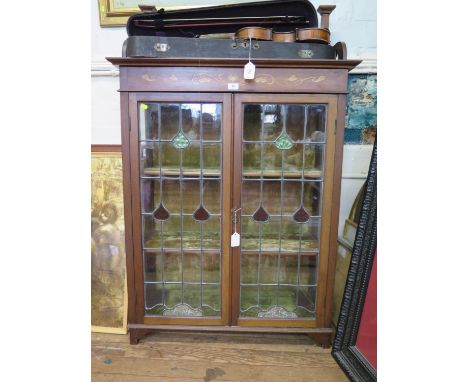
[
  {"x": 338, "y": 161},
  {"x": 327, "y": 213},
  {"x": 125, "y": 133},
  {"x": 134, "y": 152}
]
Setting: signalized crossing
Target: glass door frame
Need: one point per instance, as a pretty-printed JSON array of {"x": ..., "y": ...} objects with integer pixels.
[
  {"x": 331, "y": 101},
  {"x": 226, "y": 100}
]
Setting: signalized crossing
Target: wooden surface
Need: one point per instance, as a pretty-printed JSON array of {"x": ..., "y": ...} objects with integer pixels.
[
  {"x": 234, "y": 62},
  {"x": 201, "y": 79},
  {"x": 153, "y": 79},
  {"x": 191, "y": 357}
]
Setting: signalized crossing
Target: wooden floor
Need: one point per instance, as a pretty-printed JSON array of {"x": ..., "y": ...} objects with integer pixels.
[{"x": 190, "y": 357}]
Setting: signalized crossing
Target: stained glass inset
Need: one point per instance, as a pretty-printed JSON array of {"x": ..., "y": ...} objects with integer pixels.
[
  {"x": 161, "y": 213},
  {"x": 284, "y": 142},
  {"x": 180, "y": 141},
  {"x": 201, "y": 214},
  {"x": 260, "y": 215},
  {"x": 301, "y": 216}
]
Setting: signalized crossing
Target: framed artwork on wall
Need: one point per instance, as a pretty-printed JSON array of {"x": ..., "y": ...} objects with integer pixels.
[
  {"x": 355, "y": 344},
  {"x": 109, "y": 303},
  {"x": 117, "y": 12}
]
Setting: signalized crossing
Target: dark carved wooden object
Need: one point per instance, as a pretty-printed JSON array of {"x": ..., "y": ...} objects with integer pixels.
[{"x": 344, "y": 350}]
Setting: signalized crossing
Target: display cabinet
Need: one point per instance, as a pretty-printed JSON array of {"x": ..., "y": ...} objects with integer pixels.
[{"x": 207, "y": 154}]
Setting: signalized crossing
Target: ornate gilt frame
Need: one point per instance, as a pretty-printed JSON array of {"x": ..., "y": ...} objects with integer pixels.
[
  {"x": 111, "y": 16},
  {"x": 112, "y": 151},
  {"x": 344, "y": 348}
]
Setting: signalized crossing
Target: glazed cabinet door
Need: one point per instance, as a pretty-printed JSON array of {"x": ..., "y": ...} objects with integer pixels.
[
  {"x": 283, "y": 175},
  {"x": 180, "y": 147}
]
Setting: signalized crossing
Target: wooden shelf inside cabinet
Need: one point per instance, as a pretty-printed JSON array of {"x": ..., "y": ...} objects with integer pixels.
[
  {"x": 177, "y": 171},
  {"x": 316, "y": 174},
  {"x": 182, "y": 271}
]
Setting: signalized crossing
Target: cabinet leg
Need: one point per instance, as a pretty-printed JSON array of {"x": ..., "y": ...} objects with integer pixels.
[
  {"x": 322, "y": 339},
  {"x": 137, "y": 334}
]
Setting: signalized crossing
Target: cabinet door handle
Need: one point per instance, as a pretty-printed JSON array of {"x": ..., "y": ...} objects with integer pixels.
[{"x": 234, "y": 214}]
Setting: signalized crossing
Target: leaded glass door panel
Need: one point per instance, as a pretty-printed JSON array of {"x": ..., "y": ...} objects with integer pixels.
[
  {"x": 283, "y": 167},
  {"x": 180, "y": 149}
]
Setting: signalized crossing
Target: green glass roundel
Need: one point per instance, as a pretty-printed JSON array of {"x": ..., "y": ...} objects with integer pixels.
[
  {"x": 284, "y": 142},
  {"x": 180, "y": 141}
]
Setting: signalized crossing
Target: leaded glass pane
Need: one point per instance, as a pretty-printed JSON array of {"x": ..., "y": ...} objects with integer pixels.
[
  {"x": 149, "y": 115},
  {"x": 295, "y": 121},
  {"x": 252, "y": 155},
  {"x": 249, "y": 268},
  {"x": 288, "y": 269},
  {"x": 252, "y": 122},
  {"x": 211, "y": 159},
  {"x": 150, "y": 195},
  {"x": 250, "y": 239},
  {"x": 151, "y": 228},
  {"x": 149, "y": 158},
  {"x": 308, "y": 270},
  {"x": 170, "y": 119},
  {"x": 180, "y": 154},
  {"x": 170, "y": 159},
  {"x": 211, "y": 266},
  {"x": 315, "y": 127},
  {"x": 268, "y": 269},
  {"x": 191, "y": 196},
  {"x": 191, "y": 233},
  {"x": 172, "y": 267},
  {"x": 211, "y": 233},
  {"x": 191, "y": 121},
  {"x": 191, "y": 160},
  {"x": 281, "y": 180},
  {"x": 211, "y": 121},
  {"x": 211, "y": 300},
  {"x": 153, "y": 266},
  {"x": 211, "y": 196},
  {"x": 272, "y": 122},
  {"x": 192, "y": 296}
]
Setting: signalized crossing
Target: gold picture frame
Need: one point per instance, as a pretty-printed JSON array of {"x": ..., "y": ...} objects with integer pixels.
[
  {"x": 109, "y": 300},
  {"x": 114, "y": 13}
]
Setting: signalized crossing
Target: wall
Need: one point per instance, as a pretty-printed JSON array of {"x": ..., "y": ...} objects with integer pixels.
[{"x": 352, "y": 22}]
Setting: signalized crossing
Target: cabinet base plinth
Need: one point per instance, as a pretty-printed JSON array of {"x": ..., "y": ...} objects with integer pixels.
[
  {"x": 322, "y": 336},
  {"x": 322, "y": 339},
  {"x": 136, "y": 334}
]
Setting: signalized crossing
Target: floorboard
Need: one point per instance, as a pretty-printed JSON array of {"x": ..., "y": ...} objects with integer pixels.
[{"x": 190, "y": 357}]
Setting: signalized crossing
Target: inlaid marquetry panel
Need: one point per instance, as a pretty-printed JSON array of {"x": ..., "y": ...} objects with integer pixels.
[{"x": 232, "y": 80}]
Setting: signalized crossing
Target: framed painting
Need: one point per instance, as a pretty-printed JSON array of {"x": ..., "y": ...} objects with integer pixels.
[
  {"x": 109, "y": 303},
  {"x": 117, "y": 12},
  {"x": 355, "y": 343}
]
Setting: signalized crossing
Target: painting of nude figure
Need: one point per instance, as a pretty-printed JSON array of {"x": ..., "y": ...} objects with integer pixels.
[{"x": 108, "y": 282}]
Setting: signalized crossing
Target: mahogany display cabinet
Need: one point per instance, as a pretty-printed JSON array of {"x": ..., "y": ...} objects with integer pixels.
[{"x": 206, "y": 154}]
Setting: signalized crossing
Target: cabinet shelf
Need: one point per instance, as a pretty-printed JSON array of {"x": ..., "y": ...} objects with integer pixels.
[
  {"x": 177, "y": 171},
  {"x": 191, "y": 243},
  {"x": 315, "y": 174},
  {"x": 210, "y": 173}
]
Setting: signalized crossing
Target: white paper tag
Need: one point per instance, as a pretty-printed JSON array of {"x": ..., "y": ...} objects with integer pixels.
[
  {"x": 249, "y": 71},
  {"x": 233, "y": 86},
  {"x": 235, "y": 239}
]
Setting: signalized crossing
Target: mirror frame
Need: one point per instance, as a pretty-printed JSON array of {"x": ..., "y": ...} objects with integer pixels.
[{"x": 344, "y": 350}]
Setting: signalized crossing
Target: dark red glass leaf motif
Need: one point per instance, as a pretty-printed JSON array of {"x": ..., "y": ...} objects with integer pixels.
[
  {"x": 301, "y": 215},
  {"x": 161, "y": 213},
  {"x": 260, "y": 215},
  {"x": 201, "y": 214}
]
